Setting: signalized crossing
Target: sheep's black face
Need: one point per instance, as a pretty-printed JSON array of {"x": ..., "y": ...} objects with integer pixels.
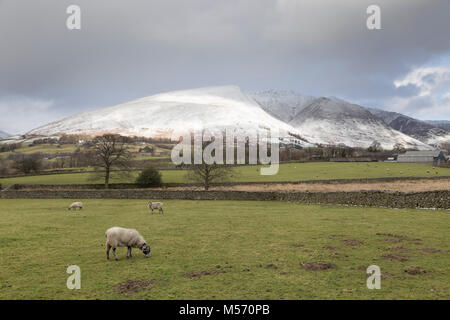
[{"x": 146, "y": 250}]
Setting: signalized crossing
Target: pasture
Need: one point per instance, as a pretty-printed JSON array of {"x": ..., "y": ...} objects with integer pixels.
[
  {"x": 287, "y": 172},
  {"x": 223, "y": 250}
]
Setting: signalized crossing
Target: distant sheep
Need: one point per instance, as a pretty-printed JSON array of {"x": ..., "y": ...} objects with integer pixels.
[
  {"x": 75, "y": 205},
  {"x": 121, "y": 237},
  {"x": 156, "y": 205}
]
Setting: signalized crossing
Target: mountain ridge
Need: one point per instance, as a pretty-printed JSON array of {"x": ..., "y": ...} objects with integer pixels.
[
  {"x": 316, "y": 129},
  {"x": 323, "y": 120},
  {"x": 171, "y": 114},
  {"x": 334, "y": 121},
  {"x": 418, "y": 129}
]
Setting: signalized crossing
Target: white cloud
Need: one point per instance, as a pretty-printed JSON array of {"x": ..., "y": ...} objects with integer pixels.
[
  {"x": 428, "y": 80},
  {"x": 432, "y": 97}
]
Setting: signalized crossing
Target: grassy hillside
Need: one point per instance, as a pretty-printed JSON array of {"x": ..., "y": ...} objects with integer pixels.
[
  {"x": 223, "y": 250},
  {"x": 287, "y": 172}
]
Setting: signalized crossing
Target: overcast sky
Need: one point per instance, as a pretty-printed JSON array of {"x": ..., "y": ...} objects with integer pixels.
[{"x": 130, "y": 49}]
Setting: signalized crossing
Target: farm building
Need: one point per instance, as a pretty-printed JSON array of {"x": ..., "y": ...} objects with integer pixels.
[
  {"x": 290, "y": 142},
  {"x": 434, "y": 156}
]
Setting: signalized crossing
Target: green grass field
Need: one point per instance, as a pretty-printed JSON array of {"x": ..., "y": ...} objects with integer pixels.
[
  {"x": 43, "y": 148},
  {"x": 287, "y": 172},
  {"x": 223, "y": 250}
]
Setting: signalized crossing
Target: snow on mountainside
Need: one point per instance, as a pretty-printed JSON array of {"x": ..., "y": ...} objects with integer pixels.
[
  {"x": 334, "y": 121},
  {"x": 421, "y": 130},
  {"x": 318, "y": 120},
  {"x": 3, "y": 134},
  {"x": 171, "y": 114},
  {"x": 337, "y": 121},
  {"x": 283, "y": 105}
]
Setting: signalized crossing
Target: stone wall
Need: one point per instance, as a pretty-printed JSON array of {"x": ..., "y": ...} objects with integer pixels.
[
  {"x": 429, "y": 199},
  {"x": 135, "y": 186}
]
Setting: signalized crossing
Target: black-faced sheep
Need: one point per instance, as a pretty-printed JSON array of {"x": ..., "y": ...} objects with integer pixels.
[
  {"x": 75, "y": 205},
  {"x": 122, "y": 237},
  {"x": 156, "y": 205}
]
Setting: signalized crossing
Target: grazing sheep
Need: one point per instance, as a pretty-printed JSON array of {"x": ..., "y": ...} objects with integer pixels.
[
  {"x": 75, "y": 205},
  {"x": 156, "y": 205},
  {"x": 121, "y": 237}
]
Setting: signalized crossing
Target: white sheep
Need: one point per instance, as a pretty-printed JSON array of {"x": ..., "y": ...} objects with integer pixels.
[
  {"x": 122, "y": 237},
  {"x": 75, "y": 205},
  {"x": 156, "y": 205}
]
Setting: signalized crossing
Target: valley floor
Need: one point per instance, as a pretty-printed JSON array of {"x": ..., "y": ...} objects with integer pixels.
[
  {"x": 393, "y": 186},
  {"x": 251, "y": 173},
  {"x": 223, "y": 250}
]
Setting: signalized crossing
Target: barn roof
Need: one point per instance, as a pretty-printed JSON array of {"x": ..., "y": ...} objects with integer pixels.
[{"x": 424, "y": 153}]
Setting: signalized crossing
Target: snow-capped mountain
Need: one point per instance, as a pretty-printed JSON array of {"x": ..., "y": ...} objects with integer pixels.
[
  {"x": 331, "y": 120},
  {"x": 421, "y": 130},
  {"x": 3, "y": 134},
  {"x": 171, "y": 114},
  {"x": 283, "y": 105},
  {"x": 334, "y": 121}
]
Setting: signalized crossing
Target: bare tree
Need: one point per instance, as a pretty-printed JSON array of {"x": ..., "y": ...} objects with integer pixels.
[
  {"x": 28, "y": 163},
  {"x": 375, "y": 147},
  {"x": 208, "y": 173},
  {"x": 399, "y": 148},
  {"x": 110, "y": 152}
]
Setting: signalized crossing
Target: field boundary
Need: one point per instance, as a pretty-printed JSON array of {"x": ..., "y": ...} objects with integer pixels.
[
  {"x": 427, "y": 199},
  {"x": 87, "y": 186}
]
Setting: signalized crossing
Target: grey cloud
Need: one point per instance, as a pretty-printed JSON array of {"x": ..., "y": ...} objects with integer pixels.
[
  {"x": 134, "y": 48},
  {"x": 407, "y": 91}
]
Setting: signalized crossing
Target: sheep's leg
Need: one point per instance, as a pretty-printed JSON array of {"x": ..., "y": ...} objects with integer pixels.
[
  {"x": 161, "y": 210},
  {"x": 115, "y": 255},
  {"x": 108, "y": 247},
  {"x": 129, "y": 252}
]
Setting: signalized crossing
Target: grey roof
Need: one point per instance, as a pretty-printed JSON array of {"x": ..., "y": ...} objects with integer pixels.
[{"x": 427, "y": 153}]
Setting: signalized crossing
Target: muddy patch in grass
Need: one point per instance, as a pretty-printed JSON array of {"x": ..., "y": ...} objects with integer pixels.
[
  {"x": 400, "y": 249},
  {"x": 396, "y": 257},
  {"x": 393, "y": 240},
  {"x": 430, "y": 250},
  {"x": 391, "y": 235},
  {"x": 218, "y": 270},
  {"x": 133, "y": 286},
  {"x": 416, "y": 271},
  {"x": 352, "y": 242},
  {"x": 358, "y": 268},
  {"x": 298, "y": 245},
  {"x": 316, "y": 266},
  {"x": 271, "y": 266},
  {"x": 219, "y": 267}
]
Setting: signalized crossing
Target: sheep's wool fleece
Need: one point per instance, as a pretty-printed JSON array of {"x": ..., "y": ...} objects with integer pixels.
[{"x": 121, "y": 237}]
